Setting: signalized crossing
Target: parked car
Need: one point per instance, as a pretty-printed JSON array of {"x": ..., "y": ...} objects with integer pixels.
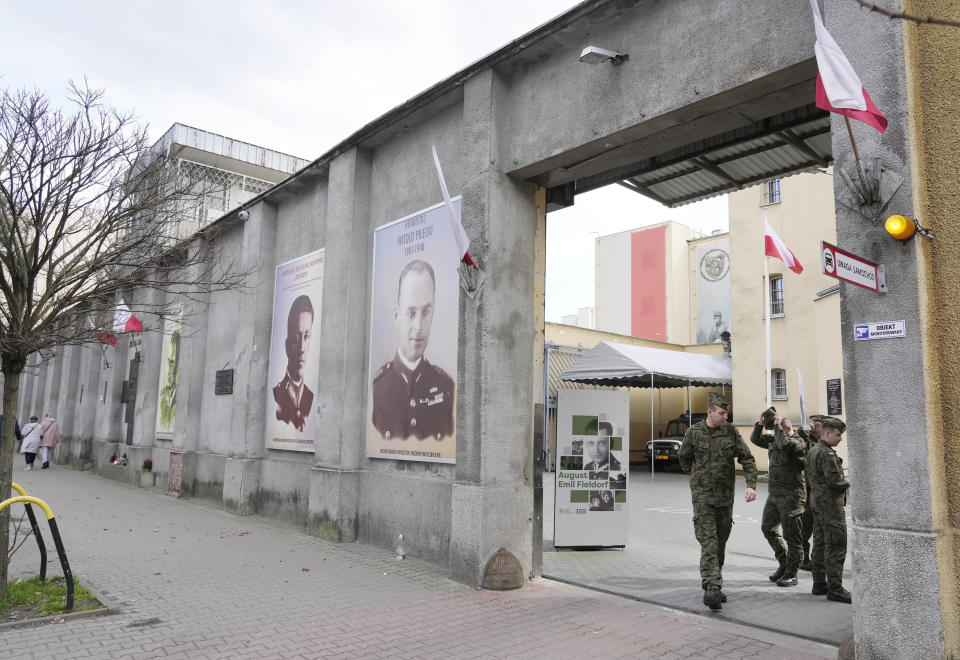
[{"x": 665, "y": 451}]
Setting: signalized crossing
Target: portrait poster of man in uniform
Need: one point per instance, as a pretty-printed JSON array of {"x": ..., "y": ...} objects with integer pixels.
[
  {"x": 713, "y": 290},
  {"x": 411, "y": 403},
  {"x": 291, "y": 404},
  {"x": 169, "y": 371}
]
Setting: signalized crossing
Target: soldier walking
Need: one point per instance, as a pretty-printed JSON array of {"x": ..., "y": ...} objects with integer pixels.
[
  {"x": 787, "y": 493},
  {"x": 811, "y": 436},
  {"x": 708, "y": 451},
  {"x": 828, "y": 488}
]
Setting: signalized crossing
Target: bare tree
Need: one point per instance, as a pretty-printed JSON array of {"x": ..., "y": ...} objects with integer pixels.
[{"x": 88, "y": 213}]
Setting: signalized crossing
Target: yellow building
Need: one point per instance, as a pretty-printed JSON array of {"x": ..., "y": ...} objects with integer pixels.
[{"x": 805, "y": 308}]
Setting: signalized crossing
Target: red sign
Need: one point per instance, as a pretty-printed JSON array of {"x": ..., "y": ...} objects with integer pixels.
[{"x": 851, "y": 268}]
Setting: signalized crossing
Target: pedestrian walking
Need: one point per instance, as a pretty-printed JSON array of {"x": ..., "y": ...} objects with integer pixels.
[
  {"x": 50, "y": 438},
  {"x": 708, "y": 452},
  {"x": 787, "y": 493},
  {"x": 32, "y": 435},
  {"x": 828, "y": 488}
]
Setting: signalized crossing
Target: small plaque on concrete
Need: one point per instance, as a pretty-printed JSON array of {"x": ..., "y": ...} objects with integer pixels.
[
  {"x": 503, "y": 572},
  {"x": 224, "y": 382}
]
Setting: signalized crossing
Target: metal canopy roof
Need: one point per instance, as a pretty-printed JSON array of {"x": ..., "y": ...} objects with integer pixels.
[{"x": 788, "y": 143}]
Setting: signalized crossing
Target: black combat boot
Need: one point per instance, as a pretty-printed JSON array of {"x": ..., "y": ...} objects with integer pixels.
[
  {"x": 839, "y": 594},
  {"x": 788, "y": 580},
  {"x": 819, "y": 588},
  {"x": 805, "y": 565},
  {"x": 777, "y": 574},
  {"x": 723, "y": 597},
  {"x": 711, "y": 598}
]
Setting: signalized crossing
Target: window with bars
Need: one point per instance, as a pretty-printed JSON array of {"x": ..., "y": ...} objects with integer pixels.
[
  {"x": 776, "y": 295},
  {"x": 771, "y": 192},
  {"x": 223, "y": 191},
  {"x": 778, "y": 384}
]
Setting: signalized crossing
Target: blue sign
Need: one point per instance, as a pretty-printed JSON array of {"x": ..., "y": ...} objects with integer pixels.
[{"x": 861, "y": 331}]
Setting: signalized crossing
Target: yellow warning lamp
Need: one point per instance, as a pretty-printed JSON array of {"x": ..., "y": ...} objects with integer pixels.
[{"x": 900, "y": 227}]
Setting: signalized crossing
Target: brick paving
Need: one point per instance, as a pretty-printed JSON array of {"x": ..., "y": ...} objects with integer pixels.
[
  {"x": 661, "y": 560},
  {"x": 188, "y": 580}
]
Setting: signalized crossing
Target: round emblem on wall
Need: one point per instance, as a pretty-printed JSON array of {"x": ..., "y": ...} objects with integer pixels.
[{"x": 714, "y": 265}]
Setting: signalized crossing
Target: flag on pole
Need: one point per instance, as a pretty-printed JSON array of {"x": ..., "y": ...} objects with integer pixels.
[
  {"x": 103, "y": 337},
  {"x": 803, "y": 401},
  {"x": 839, "y": 88},
  {"x": 124, "y": 320},
  {"x": 459, "y": 235},
  {"x": 774, "y": 247}
]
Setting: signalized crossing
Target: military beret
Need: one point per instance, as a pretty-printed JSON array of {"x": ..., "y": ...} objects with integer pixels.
[
  {"x": 717, "y": 399},
  {"x": 833, "y": 423},
  {"x": 768, "y": 416}
]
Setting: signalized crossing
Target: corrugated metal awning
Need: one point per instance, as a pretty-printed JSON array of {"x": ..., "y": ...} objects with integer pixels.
[{"x": 788, "y": 143}]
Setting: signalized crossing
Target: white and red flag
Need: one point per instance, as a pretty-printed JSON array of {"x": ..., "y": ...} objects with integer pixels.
[
  {"x": 124, "y": 320},
  {"x": 774, "y": 247},
  {"x": 839, "y": 88},
  {"x": 103, "y": 337},
  {"x": 459, "y": 235}
]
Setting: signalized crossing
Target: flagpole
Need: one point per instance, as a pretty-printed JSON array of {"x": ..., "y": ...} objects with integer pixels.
[
  {"x": 766, "y": 307},
  {"x": 867, "y": 195}
]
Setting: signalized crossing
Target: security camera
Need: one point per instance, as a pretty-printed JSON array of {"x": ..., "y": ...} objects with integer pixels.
[{"x": 243, "y": 214}]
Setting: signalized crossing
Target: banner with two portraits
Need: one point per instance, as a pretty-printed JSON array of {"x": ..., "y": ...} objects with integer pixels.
[
  {"x": 411, "y": 396},
  {"x": 294, "y": 374}
]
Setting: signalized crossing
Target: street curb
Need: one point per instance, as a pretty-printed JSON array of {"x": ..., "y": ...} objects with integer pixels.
[{"x": 110, "y": 606}]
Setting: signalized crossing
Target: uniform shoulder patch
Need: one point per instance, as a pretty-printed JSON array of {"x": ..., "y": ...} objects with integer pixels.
[{"x": 383, "y": 371}]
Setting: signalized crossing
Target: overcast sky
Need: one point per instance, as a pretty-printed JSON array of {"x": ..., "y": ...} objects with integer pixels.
[{"x": 299, "y": 77}]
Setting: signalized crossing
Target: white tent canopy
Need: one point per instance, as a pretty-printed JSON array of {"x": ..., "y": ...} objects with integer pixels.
[{"x": 622, "y": 365}]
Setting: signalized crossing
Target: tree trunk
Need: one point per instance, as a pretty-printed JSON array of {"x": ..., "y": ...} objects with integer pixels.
[{"x": 8, "y": 443}]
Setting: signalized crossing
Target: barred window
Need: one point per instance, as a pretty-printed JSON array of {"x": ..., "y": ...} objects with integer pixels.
[
  {"x": 776, "y": 295},
  {"x": 778, "y": 384},
  {"x": 771, "y": 192}
]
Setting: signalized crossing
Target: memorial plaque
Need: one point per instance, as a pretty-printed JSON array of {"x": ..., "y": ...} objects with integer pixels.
[
  {"x": 834, "y": 402},
  {"x": 224, "y": 382}
]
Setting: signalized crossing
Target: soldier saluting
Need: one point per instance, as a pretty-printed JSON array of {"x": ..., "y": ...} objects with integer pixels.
[
  {"x": 828, "y": 491},
  {"x": 708, "y": 452},
  {"x": 412, "y": 397}
]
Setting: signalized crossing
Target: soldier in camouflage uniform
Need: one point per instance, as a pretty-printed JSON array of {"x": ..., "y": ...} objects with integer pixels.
[
  {"x": 811, "y": 436},
  {"x": 708, "y": 451},
  {"x": 828, "y": 488},
  {"x": 787, "y": 493}
]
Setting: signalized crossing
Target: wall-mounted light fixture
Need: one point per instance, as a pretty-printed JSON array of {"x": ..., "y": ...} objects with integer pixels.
[
  {"x": 903, "y": 228},
  {"x": 597, "y": 55}
]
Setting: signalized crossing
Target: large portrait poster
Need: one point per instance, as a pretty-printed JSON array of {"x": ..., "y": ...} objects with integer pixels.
[
  {"x": 169, "y": 372},
  {"x": 411, "y": 395},
  {"x": 593, "y": 452},
  {"x": 713, "y": 290},
  {"x": 294, "y": 363}
]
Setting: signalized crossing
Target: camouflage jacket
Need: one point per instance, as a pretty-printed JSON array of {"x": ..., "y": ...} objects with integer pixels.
[
  {"x": 708, "y": 455},
  {"x": 828, "y": 486},
  {"x": 786, "y": 460}
]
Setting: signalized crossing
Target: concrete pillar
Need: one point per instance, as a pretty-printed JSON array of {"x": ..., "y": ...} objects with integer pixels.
[
  {"x": 241, "y": 479},
  {"x": 51, "y": 395},
  {"x": 67, "y": 405},
  {"x": 492, "y": 496},
  {"x": 187, "y": 423},
  {"x": 899, "y": 587},
  {"x": 148, "y": 375},
  {"x": 334, "y": 479}
]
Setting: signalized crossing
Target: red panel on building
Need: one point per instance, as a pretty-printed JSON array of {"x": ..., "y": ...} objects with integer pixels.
[{"x": 648, "y": 283}]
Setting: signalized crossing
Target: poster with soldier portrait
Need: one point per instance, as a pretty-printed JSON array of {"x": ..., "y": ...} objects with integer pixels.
[
  {"x": 294, "y": 373},
  {"x": 169, "y": 372},
  {"x": 411, "y": 395},
  {"x": 593, "y": 450},
  {"x": 712, "y": 261}
]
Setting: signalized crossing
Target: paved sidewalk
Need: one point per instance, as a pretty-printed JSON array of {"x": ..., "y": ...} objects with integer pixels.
[
  {"x": 192, "y": 581},
  {"x": 661, "y": 563}
]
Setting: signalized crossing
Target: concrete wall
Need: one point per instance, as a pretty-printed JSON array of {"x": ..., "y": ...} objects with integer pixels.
[{"x": 497, "y": 129}]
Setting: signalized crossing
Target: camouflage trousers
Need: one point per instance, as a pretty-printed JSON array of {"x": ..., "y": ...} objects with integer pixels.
[
  {"x": 829, "y": 546},
  {"x": 712, "y": 525},
  {"x": 784, "y": 510}
]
